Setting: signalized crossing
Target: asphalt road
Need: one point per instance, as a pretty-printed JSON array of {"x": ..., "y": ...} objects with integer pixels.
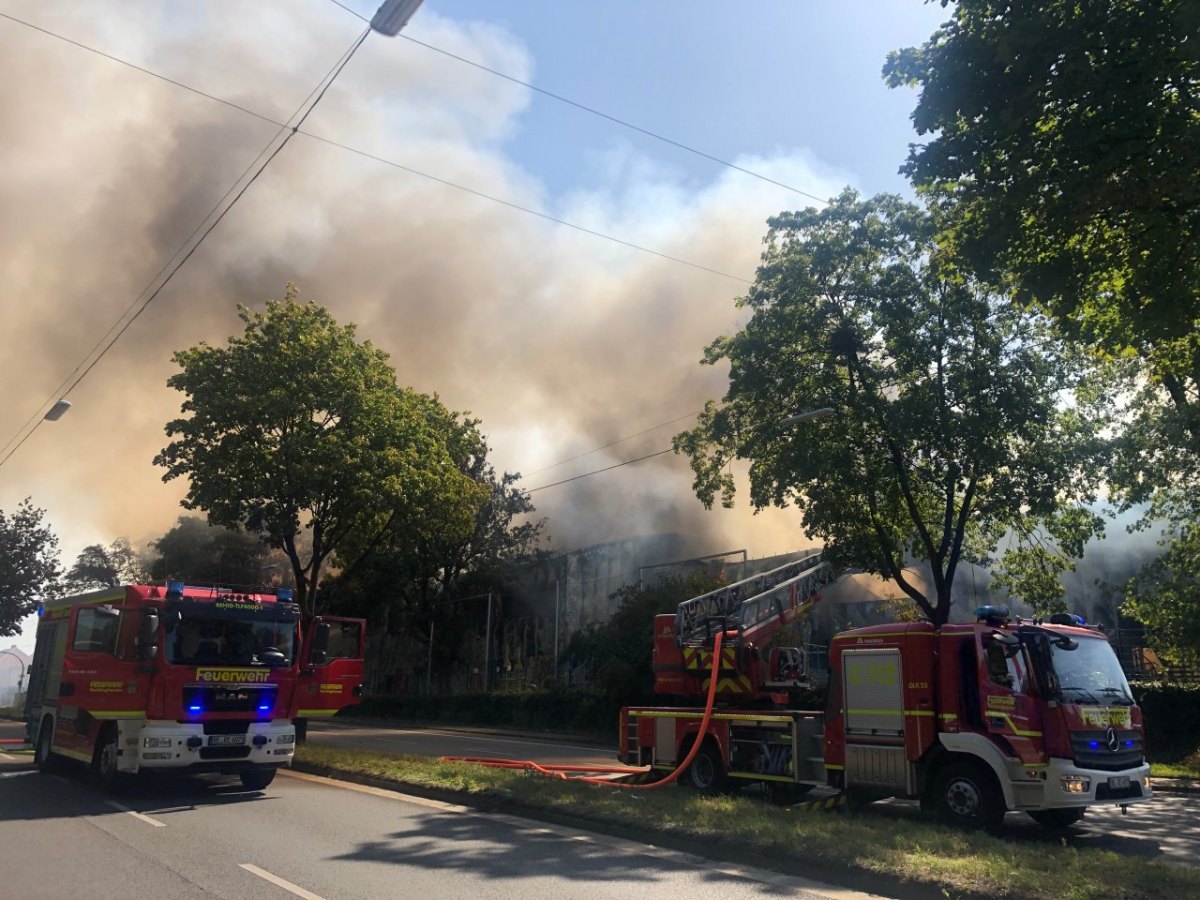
[
  {"x": 1168, "y": 828},
  {"x": 206, "y": 837}
]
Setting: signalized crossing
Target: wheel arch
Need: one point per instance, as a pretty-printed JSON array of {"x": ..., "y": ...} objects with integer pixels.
[{"x": 974, "y": 748}]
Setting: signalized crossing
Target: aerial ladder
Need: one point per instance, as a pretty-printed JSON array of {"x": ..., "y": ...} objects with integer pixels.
[{"x": 748, "y": 613}]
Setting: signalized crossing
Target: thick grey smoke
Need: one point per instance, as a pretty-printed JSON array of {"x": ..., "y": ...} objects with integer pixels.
[{"x": 557, "y": 340}]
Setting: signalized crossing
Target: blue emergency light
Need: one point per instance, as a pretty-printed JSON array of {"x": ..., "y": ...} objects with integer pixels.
[
  {"x": 992, "y": 615},
  {"x": 175, "y": 588},
  {"x": 284, "y": 594}
]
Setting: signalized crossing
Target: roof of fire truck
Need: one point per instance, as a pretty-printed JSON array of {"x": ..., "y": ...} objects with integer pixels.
[{"x": 138, "y": 593}]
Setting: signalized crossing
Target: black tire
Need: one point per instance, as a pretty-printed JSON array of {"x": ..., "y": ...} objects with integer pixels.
[
  {"x": 256, "y": 779},
  {"x": 1056, "y": 819},
  {"x": 104, "y": 760},
  {"x": 965, "y": 795},
  {"x": 706, "y": 773},
  {"x": 301, "y": 726},
  {"x": 44, "y": 758}
]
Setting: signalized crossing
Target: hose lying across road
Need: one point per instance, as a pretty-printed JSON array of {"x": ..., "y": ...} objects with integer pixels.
[{"x": 556, "y": 771}]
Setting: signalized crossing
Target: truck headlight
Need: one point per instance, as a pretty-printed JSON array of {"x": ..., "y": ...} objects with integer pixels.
[
  {"x": 1076, "y": 784},
  {"x": 156, "y": 742},
  {"x": 286, "y": 739}
]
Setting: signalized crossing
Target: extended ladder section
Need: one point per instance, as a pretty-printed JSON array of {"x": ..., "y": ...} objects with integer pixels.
[{"x": 767, "y": 599}]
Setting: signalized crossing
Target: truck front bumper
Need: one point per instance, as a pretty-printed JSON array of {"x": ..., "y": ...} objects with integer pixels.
[
  {"x": 1062, "y": 784},
  {"x": 180, "y": 745}
]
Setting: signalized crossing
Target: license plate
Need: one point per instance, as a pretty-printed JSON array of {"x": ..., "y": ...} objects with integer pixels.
[
  {"x": 218, "y": 740},
  {"x": 1119, "y": 781}
]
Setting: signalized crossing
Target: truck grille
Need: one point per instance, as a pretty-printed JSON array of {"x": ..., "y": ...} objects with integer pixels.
[
  {"x": 257, "y": 699},
  {"x": 1095, "y": 749}
]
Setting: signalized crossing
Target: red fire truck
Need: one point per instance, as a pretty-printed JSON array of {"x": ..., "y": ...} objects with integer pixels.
[
  {"x": 150, "y": 678},
  {"x": 971, "y": 719}
]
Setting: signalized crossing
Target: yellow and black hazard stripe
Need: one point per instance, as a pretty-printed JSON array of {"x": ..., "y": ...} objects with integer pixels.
[
  {"x": 835, "y": 802},
  {"x": 696, "y": 658}
]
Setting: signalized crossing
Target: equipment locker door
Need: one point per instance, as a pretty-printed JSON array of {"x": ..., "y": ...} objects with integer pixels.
[{"x": 331, "y": 666}]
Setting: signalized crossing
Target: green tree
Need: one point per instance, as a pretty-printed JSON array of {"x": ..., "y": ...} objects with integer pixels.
[
  {"x": 98, "y": 567},
  {"x": 1165, "y": 595},
  {"x": 413, "y": 565},
  {"x": 193, "y": 550},
  {"x": 1066, "y": 155},
  {"x": 29, "y": 567},
  {"x": 952, "y": 425},
  {"x": 618, "y": 652},
  {"x": 296, "y": 425}
]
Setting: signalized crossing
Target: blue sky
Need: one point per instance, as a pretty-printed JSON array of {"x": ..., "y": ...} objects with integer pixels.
[{"x": 559, "y": 341}]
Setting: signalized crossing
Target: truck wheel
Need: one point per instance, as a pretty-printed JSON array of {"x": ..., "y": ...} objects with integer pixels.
[
  {"x": 706, "y": 773},
  {"x": 256, "y": 779},
  {"x": 965, "y": 796},
  {"x": 1055, "y": 819},
  {"x": 104, "y": 760},
  {"x": 45, "y": 758}
]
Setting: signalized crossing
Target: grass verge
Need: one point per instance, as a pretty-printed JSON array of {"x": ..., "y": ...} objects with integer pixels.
[
  {"x": 1184, "y": 767},
  {"x": 880, "y": 853}
]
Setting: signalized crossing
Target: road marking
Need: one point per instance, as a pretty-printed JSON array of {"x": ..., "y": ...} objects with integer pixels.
[
  {"x": 15, "y": 774},
  {"x": 136, "y": 814},
  {"x": 280, "y": 882},
  {"x": 378, "y": 792}
]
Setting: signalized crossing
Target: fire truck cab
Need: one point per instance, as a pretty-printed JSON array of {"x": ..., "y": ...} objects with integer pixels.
[{"x": 147, "y": 677}]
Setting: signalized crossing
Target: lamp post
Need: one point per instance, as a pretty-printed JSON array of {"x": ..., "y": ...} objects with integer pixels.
[
  {"x": 21, "y": 677},
  {"x": 56, "y": 411}
]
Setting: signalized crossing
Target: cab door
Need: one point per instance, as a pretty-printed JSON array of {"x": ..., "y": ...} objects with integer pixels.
[
  {"x": 331, "y": 666},
  {"x": 1010, "y": 711}
]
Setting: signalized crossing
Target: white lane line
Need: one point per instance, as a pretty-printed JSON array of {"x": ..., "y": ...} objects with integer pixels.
[
  {"x": 15, "y": 774},
  {"x": 137, "y": 815},
  {"x": 280, "y": 882},
  {"x": 4, "y": 757}
]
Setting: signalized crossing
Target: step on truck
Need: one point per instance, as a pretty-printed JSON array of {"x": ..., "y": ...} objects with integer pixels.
[
  {"x": 971, "y": 719},
  {"x": 175, "y": 677}
]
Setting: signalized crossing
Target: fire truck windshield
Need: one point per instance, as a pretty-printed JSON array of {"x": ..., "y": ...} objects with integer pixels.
[
  {"x": 1090, "y": 673},
  {"x": 200, "y": 634}
]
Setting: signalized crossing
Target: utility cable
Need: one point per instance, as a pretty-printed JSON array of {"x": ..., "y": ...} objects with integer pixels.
[
  {"x": 320, "y": 91},
  {"x": 600, "y": 113},
  {"x": 598, "y": 471},
  {"x": 563, "y": 462}
]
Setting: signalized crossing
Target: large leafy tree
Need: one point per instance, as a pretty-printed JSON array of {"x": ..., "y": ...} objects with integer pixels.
[
  {"x": 1065, "y": 157},
  {"x": 29, "y": 567},
  {"x": 951, "y": 426},
  {"x": 296, "y": 425},
  {"x": 413, "y": 564},
  {"x": 194, "y": 550},
  {"x": 1065, "y": 150},
  {"x": 98, "y": 567}
]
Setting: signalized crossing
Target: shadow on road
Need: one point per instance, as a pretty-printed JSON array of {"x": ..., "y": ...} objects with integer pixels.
[{"x": 497, "y": 849}]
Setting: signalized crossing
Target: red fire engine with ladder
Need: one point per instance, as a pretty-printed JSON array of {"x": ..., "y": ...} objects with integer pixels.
[
  {"x": 971, "y": 719},
  {"x": 177, "y": 677}
]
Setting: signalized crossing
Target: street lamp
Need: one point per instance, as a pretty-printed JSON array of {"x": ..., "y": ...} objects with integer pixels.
[
  {"x": 57, "y": 410},
  {"x": 21, "y": 677},
  {"x": 394, "y": 15}
]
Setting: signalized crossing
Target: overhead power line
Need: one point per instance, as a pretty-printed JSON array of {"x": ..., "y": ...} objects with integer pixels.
[
  {"x": 184, "y": 253},
  {"x": 600, "y": 113},
  {"x": 627, "y": 462},
  {"x": 630, "y": 437}
]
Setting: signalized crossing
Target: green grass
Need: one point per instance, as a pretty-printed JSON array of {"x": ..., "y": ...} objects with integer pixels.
[
  {"x": 1187, "y": 766},
  {"x": 942, "y": 860}
]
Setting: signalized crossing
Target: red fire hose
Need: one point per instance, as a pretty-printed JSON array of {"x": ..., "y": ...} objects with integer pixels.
[{"x": 557, "y": 771}]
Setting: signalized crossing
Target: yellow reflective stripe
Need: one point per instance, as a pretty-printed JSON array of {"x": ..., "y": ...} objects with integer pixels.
[
  {"x": 836, "y": 768},
  {"x": 991, "y": 714},
  {"x": 74, "y": 754},
  {"x": 787, "y": 779},
  {"x": 315, "y": 712},
  {"x": 949, "y": 717},
  {"x": 875, "y": 712},
  {"x": 919, "y": 712}
]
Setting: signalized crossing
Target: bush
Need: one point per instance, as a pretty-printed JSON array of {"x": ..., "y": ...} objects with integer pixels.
[
  {"x": 555, "y": 709},
  {"x": 1172, "y": 716}
]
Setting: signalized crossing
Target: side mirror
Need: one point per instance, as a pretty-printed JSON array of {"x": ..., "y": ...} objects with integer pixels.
[
  {"x": 1066, "y": 643},
  {"x": 148, "y": 637},
  {"x": 319, "y": 650},
  {"x": 1009, "y": 642}
]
